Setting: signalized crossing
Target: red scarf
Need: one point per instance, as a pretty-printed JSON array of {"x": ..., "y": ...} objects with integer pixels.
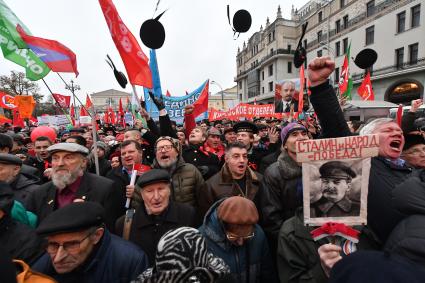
[{"x": 219, "y": 151}]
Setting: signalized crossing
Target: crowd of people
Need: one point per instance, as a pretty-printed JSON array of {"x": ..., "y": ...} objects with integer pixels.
[{"x": 211, "y": 202}]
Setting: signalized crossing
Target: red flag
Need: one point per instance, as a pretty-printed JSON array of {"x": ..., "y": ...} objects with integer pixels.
[
  {"x": 308, "y": 87},
  {"x": 168, "y": 93},
  {"x": 7, "y": 101},
  {"x": 72, "y": 114},
  {"x": 135, "y": 61},
  {"x": 83, "y": 111},
  {"x": 17, "y": 120},
  {"x": 365, "y": 89},
  {"x": 121, "y": 114},
  {"x": 55, "y": 55},
  {"x": 399, "y": 114},
  {"x": 201, "y": 105},
  {"x": 343, "y": 78},
  {"x": 62, "y": 100},
  {"x": 89, "y": 104},
  {"x": 301, "y": 92}
]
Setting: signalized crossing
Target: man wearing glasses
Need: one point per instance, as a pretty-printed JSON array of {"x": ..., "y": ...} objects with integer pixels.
[
  {"x": 231, "y": 230},
  {"x": 80, "y": 249},
  {"x": 414, "y": 151}
]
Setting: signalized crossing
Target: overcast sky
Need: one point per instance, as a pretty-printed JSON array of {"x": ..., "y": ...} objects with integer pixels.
[{"x": 199, "y": 43}]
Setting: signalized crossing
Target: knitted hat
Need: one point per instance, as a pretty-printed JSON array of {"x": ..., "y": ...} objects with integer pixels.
[
  {"x": 102, "y": 145},
  {"x": 238, "y": 210},
  {"x": 411, "y": 140},
  {"x": 174, "y": 142},
  {"x": 288, "y": 129}
]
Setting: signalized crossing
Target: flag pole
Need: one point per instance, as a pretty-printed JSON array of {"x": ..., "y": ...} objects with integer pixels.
[
  {"x": 72, "y": 91},
  {"x": 94, "y": 135},
  {"x": 57, "y": 103},
  {"x": 144, "y": 123}
]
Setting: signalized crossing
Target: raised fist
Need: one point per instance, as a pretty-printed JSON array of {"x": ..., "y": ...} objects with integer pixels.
[{"x": 320, "y": 69}]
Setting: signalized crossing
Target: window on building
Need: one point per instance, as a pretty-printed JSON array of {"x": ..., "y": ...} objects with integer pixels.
[
  {"x": 262, "y": 90},
  {"x": 270, "y": 37},
  {"x": 271, "y": 51},
  {"x": 289, "y": 48},
  {"x": 319, "y": 53},
  {"x": 289, "y": 67},
  {"x": 341, "y": 3},
  {"x": 413, "y": 53},
  {"x": 336, "y": 79},
  {"x": 273, "y": 35},
  {"x": 240, "y": 84},
  {"x": 320, "y": 16},
  {"x": 319, "y": 36},
  {"x": 338, "y": 26},
  {"x": 370, "y": 34},
  {"x": 345, "y": 44},
  {"x": 416, "y": 14},
  {"x": 338, "y": 48},
  {"x": 401, "y": 21},
  {"x": 399, "y": 55},
  {"x": 370, "y": 8},
  {"x": 271, "y": 70},
  {"x": 345, "y": 21},
  {"x": 262, "y": 75},
  {"x": 270, "y": 86}
]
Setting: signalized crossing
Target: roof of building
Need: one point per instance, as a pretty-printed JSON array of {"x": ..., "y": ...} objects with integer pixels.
[{"x": 110, "y": 92}]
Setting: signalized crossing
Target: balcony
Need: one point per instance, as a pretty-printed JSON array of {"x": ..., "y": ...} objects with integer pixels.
[
  {"x": 265, "y": 58},
  {"x": 391, "y": 69}
]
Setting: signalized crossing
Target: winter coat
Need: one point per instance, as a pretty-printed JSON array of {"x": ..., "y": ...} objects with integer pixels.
[
  {"x": 206, "y": 162},
  {"x": 268, "y": 160},
  {"x": 121, "y": 180},
  {"x": 115, "y": 260},
  {"x": 187, "y": 182},
  {"x": 255, "y": 252},
  {"x": 222, "y": 185},
  {"x": 146, "y": 230},
  {"x": 382, "y": 217},
  {"x": 19, "y": 240},
  {"x": 23, "y": 186},
  {"x": 92, "y": 188},
  {"x": 104, "y": 166},
  {"x": 281, "y": 196},
  {"x": 298, "y": 258}
]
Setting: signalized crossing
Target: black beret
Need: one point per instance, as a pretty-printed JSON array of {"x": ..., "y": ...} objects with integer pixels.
[
  {"x": 245, "y": 126},
  {"x": 74, "y": 217},
  {"x": 153, "y": 176},
  {"x": 336, "y": 170},
  {"x": 77, "y": 130},
  {"x": 411, "y": 140},
  {"x": 262, "y": 126},
  {"x": 228, "y": 130},
  {"x": 6, "y": 197},
  {"x": 7, "y": 158}
]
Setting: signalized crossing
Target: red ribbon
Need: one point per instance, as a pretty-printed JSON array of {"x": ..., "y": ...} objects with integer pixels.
[
  {"x": 252, "y": 165},
  {"x": 335, "y": 229}
]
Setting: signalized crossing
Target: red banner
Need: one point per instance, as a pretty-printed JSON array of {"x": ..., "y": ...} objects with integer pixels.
[
  {"x": 7, "y": 101},
  {"x": 62, "y": 100},
  {"x": 244, "y": 110}
]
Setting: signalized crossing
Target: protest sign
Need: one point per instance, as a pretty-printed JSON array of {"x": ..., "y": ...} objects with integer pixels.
[
  {"x": 336, "y": 178},
  {"x": 53, "y": 120},
  {"x": 244, "y": 110}
]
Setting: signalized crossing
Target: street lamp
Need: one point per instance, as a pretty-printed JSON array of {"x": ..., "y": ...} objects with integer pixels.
[
  {"x": 73, "y": 87},
  {"x": 222, "y": 97}
]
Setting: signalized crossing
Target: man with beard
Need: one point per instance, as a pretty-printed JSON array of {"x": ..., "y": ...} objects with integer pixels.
[
  {"x": 336, "y": 180},
  {"x": 71, "y": 183},
  {"x": 187, "y": 181}
]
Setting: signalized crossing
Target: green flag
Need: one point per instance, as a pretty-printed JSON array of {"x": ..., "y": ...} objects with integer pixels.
[
  {"x": 347, "y": 93},
  {"x": 14, "y": 49}
]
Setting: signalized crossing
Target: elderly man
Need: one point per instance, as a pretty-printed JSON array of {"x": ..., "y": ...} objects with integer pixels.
[
  {"x": 71, "y": 182},
  {"x": 336, "y": 180},
  {"x": 213, "y": 143},
  {"x": 80, "y": 249},
  {"x": 157, "y": 215},
  {"x": 414, "y": 151},
  {"x": 22, "y": 184},
  {"x": 231, "y": 230},
  {"x": 234, "y": 179},
  {"x": 187, "y": 180},
  {"x": 387, "y": 170},
  {"x": 284, "y": 105}
]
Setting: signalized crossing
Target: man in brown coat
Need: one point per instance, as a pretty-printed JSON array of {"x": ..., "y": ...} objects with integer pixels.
[{"x": 234, "y": 179}]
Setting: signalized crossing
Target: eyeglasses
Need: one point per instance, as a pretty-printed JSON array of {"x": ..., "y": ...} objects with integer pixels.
[
  {"x": 69, "y": 247},
  {"x": 167, "y": 147},
  {"x": 232, "y": 237}
]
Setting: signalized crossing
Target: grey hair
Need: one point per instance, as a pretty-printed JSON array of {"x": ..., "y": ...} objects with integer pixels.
[
  {"x": 288, "y": 82},
  {"x": 370, "y": 127}
]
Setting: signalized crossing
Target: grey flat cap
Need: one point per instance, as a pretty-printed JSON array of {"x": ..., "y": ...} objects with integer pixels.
[
  {"x": 7, "y": 158},
  {"x": 67, "y": 146}
]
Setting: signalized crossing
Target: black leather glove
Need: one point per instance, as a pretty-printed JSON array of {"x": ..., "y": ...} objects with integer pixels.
[{"x": 159, "y": 102}]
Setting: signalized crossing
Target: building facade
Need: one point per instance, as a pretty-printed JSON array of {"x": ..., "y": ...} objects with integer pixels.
[
  {"x": 395, "y": 29},
  {"x": 224, "y": 100},
  {"x": 102, "y": 99}
]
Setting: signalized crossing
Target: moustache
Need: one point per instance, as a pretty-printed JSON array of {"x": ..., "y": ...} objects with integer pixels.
[{"x": 330, "y": 191}]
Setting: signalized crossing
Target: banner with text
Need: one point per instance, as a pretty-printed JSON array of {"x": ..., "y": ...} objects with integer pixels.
[{"x": 244, "y": 110}]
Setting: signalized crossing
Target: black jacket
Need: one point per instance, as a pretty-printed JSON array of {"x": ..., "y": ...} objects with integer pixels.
[
  {"x": 147, "y": 230},
  {"x": 20, "y": 240},
  {"x": 208, "y": 165},
  {"x": 92, "y": 188},
  {"x": 268, "y": 160},
  {"x": 113, "y": 260},
  {"x": 23, "y": 186},
  {"x": 104, "y": 166},
  {"x": 121, "y": 180}
]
